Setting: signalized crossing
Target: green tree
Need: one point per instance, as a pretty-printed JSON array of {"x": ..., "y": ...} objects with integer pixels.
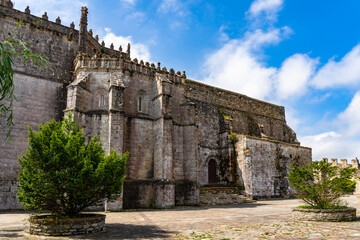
[
  {"x": 9, "y": 49},
  {"x": 64, "y": 175},
  {"x": 320, "y": 184}
]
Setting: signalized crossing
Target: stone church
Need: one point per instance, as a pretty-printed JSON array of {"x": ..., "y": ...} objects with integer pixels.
[{"x": 184, "y": 137}]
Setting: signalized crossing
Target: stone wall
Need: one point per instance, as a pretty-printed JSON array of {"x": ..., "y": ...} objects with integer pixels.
[
  {"x": 264, "y": 165},
  {"x": 39, "y": 93},
  {"x": 343, "y": 163},
  {"x": 186, "y": 193},
  {"x": 37, "y": 102},
  {"x": 148, "y": 194},
  {"x": 57, "y": 43},
  {"x": 249, "y": 116}
]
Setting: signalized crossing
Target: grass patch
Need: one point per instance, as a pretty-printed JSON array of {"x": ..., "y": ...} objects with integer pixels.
[{"x": 314, "y": 207}]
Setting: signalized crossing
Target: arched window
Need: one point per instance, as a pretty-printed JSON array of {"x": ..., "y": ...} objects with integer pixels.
[
  {"x": 212, "y": 171},
  {"x": 139, "y": 104},
  {"x": 101, "y": 101}
]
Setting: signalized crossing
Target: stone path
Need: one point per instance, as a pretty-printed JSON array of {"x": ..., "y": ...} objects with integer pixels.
[{"x": 263, "y": 220}]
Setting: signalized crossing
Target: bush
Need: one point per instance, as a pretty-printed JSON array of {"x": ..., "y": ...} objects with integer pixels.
[
  {"x": 64, "y": 175},
  {"x": 321, "y": 185}
]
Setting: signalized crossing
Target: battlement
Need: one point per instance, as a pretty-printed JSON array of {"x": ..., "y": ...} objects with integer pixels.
[
  {"x": 96, "y": 54},
  {"x": 96, "y": 63},
  {"x": 7, "y": 10},
  {"x": 343, "y": 162}
]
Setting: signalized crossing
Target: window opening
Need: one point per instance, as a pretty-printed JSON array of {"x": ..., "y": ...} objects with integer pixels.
[
  {"x": 139, "y": 103},
  {"x": 102, "y": 101}
]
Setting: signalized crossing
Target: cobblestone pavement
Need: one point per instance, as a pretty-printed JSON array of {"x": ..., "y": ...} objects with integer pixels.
[{"x": 262, "y": 220}]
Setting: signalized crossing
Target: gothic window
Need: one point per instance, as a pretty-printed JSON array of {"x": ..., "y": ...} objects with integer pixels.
[
  {"x": 101, "y": 103},
  {"x": 100, "y": 100},
  {"x": 140, "y": 103}
]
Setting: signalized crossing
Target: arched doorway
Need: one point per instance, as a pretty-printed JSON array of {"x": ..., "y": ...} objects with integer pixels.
[{"x": 212, "y": 171}]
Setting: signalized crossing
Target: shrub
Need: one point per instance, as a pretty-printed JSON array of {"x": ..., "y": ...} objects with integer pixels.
[
  {"x": 320, "y": 184},
  {"x": 64, "y": 175}
]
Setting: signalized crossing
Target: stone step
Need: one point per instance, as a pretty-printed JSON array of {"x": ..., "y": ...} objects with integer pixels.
[
  {"x": 222, "y": 195},
  {"x": 217, "y": 189}
]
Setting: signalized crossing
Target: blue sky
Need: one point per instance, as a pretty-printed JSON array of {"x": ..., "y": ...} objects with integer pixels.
[{"x": 304, "y": 55}]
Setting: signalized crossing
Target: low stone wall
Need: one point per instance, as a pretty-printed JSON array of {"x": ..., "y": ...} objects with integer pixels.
[
  {"x": 186, "y": 193},
  {"x": 324, "y": 215},
  {"x": 159, "y": 193},
  {"x": 89, "y": 223}
]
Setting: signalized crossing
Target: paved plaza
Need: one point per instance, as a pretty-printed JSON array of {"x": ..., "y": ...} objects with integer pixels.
[{"x": 262, "y": 220}]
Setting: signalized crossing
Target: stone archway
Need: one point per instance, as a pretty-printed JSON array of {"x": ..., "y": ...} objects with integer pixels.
[{"x": 212, "y": 171}]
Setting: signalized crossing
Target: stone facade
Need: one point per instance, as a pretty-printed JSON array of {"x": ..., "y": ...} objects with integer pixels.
[{"x": 180, "y": 133}]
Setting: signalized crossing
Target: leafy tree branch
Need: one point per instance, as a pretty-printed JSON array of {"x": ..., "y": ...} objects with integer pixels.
[
  {"x": 9, "y": 49},
  {"x": 320, "y": 185}
]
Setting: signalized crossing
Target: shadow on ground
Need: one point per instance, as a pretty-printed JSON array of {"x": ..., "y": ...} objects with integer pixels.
[
  {"x": 18, "y": 233},
  {"x": 128, "y": 231},
  {"x": 194, "y": 208},
  {"x": 113, "y": 231}
]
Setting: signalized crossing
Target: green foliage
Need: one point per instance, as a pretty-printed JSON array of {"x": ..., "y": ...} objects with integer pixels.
[
  {"x": 233, "y": 138},
  {"x": 64, "y": 175},
  {"x": 225, "y": 115},
  {"x": 253, "y": 127},
  {"x": 320, "y": 184},
  {"x": 331, "y": 207},
  {"x": 10, "y": 48}
]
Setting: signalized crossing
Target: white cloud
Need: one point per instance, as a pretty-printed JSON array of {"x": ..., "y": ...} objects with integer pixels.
[
  {"x": 350, "y": 118},
  {"x": 294, "y": 75},
  {"x": 345, "y": 72},
  {"x": 331, "y": 145},
  {"x": 324, "y": 145},
  {"x": 258, "y": 39},
  {"x": 342, "y": 143},
  {"x": 237, "y": 66},
  {"x": 138, "y": 50},
  {"x": 131, "y": 2},
  {"x": 269, "y": 8},
  {"x": 68, "y": 10},
  {"x": 319, "y": 98},
  {"x": 135, "y": 17},
  {"x": 173, "y": 6},
  {"x": 223, "y": 36}
]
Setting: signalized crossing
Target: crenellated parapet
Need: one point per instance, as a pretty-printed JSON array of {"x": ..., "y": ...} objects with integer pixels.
[
  {"x": 343, "y": 163},
  {"x": 94, "y": 55},
  {"x": 7, "y": 3},
  {"x": 104, "y": 62},
  {"x": 43, "y": 22}
]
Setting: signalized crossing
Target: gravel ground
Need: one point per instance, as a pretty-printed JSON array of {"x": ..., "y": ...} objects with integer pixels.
[{"x": 262, "y": 220}]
